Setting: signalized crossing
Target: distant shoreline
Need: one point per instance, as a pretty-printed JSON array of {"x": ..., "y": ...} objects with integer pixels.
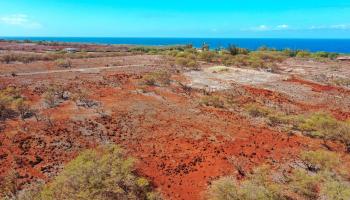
[{"x": 312, "y": 45}]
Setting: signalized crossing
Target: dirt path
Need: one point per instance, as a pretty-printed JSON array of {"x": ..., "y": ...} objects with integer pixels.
[{"x": 83, "y": 70}]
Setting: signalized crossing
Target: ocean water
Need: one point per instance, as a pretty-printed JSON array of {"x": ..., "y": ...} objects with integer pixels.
[{"x": 329, "y": 45}]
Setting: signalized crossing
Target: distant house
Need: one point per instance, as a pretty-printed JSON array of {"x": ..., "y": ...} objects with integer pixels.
[
  {"x": 71, "y": 50},
  {"x": 344, "y": 58}
]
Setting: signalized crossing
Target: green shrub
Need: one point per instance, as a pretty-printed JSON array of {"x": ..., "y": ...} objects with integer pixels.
[
  {"x": 257, "y": 111},
  {"x": 257, "y": 186},
  {"x": 298, "y": 184},
  {"x": 290, "y": 52},
  {"x": 335, "y": 190},
  {"x": 101, "y": 174},
  {"x": 160, "y": 78},
  {"x": 218, "y": 69},
  {"x": 187, "y": 62},
  {"x": 256, "y": 62},
  {"x": 304, "y": 184},
  {"x": 232, "y": 49},
  {"x": 64, "y": 63},
  {"x": 276, "y": 119},
  {"x": 320, "y": 160},
  {"x": 225, "y": 188},
  {"x": 322, "y": 54},
  {"x": 54, "y": 95},
  {"x": 207, "y": 56},
  {"x": 303, "y": 54},
  {"x": 269, "y": 56},
  {"x": 10, "y": 99},
  {"x": 325, "y": 126}
]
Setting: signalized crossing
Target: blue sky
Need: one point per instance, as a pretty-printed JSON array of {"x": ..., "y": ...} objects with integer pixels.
[{"x": 180, "y": 18}]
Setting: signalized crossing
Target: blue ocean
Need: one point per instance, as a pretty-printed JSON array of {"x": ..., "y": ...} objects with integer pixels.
[{"x": 329, "y": 45}]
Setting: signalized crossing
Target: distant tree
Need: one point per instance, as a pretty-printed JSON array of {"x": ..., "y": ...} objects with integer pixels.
[
  {"x": 233, "y": 49},
  {"x": 205, "y": 47},
  {"x": 188, "y": 46}
]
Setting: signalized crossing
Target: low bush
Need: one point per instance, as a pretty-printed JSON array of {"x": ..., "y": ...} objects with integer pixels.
[
  {"x": 255, "y": 59},
  {"x": 218, "y": 69},
  {"x": 101, "y": 174},
  {"x": 322, "y": 54},
  {"x": 187, "y": 62},
  {"x": 255, "y": 110},
  {"x": 290, "y": 52},
  {"x": 298, "y": 184},
  {"x": 54, "y": 95},
  {"x": 323, "y": 125},
  {"x": 21, "y": 57},
  {"x": 318, "y": 125},
  {"x": 303, "y": 54},
  {"x": 159, "y": 78},
  {"x": 207, "y": 56},
  {"x": 269, "y": 56},
  {"x": 214, "y": 101},
  {"x": 64, "y": 63},
  {"x": 234, "y": 50},
  {"x": 257, "y": 186},
  {"x": 10, "y": 100},
  {"x": 7, "y": 58},
  {"x": 320, "y": 160}
]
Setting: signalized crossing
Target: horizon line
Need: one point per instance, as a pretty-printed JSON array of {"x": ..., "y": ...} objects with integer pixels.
[{"x": 169, "y": 37}]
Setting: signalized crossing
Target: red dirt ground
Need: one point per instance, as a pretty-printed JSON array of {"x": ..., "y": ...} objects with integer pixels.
[
  {"x": 318, "y": 87},
  {"x": 180, "y": 145}
]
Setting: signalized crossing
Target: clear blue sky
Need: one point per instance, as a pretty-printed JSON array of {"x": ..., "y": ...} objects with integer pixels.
[{"x": 180, "y": 18}]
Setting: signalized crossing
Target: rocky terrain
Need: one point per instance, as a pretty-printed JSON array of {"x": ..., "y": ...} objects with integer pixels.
[{"x": 186, "y": 127}]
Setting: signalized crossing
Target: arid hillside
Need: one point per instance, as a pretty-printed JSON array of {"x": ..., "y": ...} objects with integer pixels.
[{"x": 191, "y": 118}]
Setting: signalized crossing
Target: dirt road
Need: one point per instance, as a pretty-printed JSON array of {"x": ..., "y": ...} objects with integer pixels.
[{"x": 82, "y": 70}]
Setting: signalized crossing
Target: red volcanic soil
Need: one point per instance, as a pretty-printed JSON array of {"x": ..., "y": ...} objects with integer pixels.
[
  {"x": 318, "y": 87},
  {"x": 179, "y": 145}
]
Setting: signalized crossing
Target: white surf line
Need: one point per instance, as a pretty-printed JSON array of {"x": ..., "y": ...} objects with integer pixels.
[{"x": 71, "y": 70}]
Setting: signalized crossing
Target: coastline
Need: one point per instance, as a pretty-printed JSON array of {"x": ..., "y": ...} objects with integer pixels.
[{"x": 312, "y": 45}]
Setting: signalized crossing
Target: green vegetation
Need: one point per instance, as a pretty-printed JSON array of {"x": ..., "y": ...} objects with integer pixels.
[
  {"x": 104, "y": 173},
  {"x": 323, "y": 125},
  {"x": 264, "y": 57},
  {"x": 257, "y": 111},
  {"x": 51, "y": 97},
  {"x": 218, "y": 69},
  {"x": 318, "y": 125},
  {"x": 158, "y": 50},
  {"x": 320, "y": 160},
  {"x": 101, "y": 174},
  {"x": 64, "y": 63},
  {"x": 12, "y": 103},
  {"x": 274, "y": 117},
  {"x": 208, "y": 56},
  {"x": 325, "y": 183},
  {"x": 257, "y": 186},
  {"x": 234, "y": 50},
  {"x": 186, "y": 59},
  {"x": 157, "y": 78},
  {"x": 26, "y": 58}
]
